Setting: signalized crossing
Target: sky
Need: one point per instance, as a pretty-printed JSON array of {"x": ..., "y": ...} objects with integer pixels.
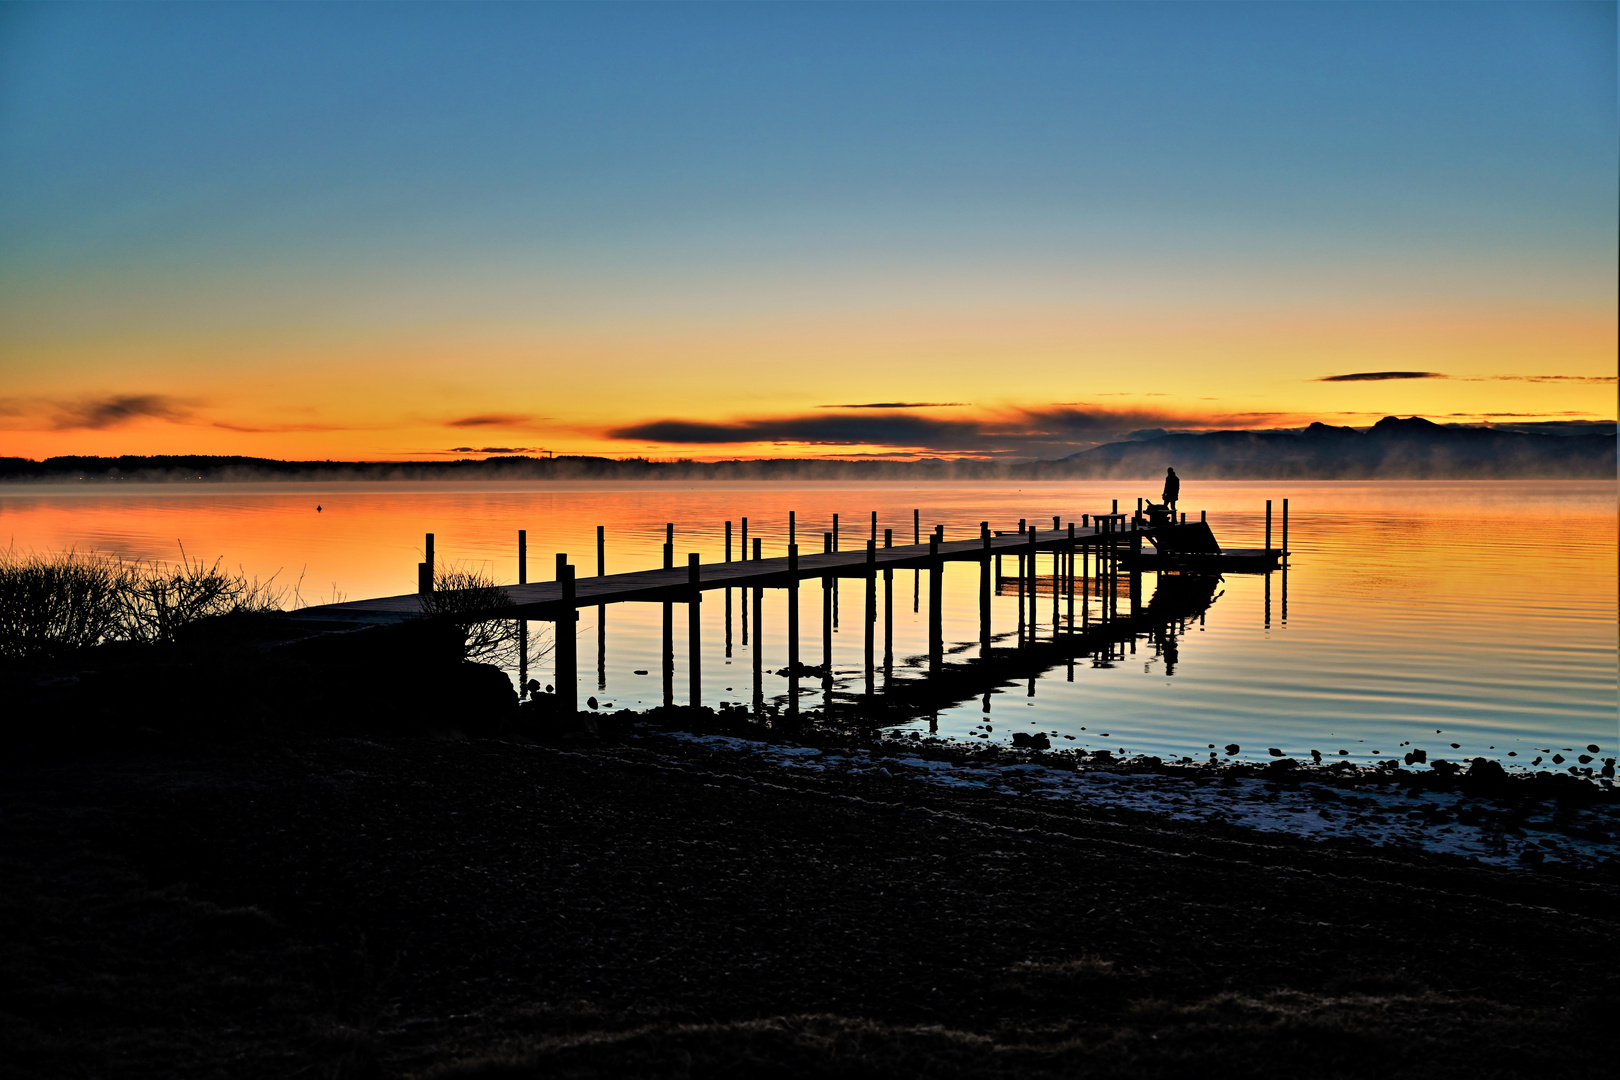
[{"x": 747, "y": 230}]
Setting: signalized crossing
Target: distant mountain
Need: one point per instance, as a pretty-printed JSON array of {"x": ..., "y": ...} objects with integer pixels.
[{"x": 1391, "y": 449}]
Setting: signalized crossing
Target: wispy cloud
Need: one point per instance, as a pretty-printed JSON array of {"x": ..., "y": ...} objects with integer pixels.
[
  {"x": 97, "y": 414},
  {"x": 1544, "y": 378},
  {"x": 278, "y": 429},
  {"x": 1042, "y": 431},
  {"x": 899, "y": 405},
  {"x": 492, "y": 420},
  {"x": 1380, "y": 376}
]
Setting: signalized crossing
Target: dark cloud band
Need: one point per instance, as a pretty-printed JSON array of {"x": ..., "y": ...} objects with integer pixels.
[{"x": 1380, "y": 376}]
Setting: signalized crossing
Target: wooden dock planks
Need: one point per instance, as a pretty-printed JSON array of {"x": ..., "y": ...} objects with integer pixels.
[{"x": 543, "y": 600}]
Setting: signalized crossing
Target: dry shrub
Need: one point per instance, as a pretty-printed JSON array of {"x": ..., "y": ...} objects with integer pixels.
[
  {"x": 160, "y": 598},
  {"x": 474, "y": 602},
  {"x": 51, "y": 605},
  {"x": 57, "y": 603}
]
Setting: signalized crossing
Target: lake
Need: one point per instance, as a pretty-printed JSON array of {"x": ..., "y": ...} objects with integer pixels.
[{"x": 1462, "y": 618}]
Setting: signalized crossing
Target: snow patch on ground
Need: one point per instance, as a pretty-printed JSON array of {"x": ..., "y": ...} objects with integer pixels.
[{"x": 1446, "y": 822}]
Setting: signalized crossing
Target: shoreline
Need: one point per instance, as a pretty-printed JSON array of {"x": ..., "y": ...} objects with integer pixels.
[{"x": 438, "y": 906}]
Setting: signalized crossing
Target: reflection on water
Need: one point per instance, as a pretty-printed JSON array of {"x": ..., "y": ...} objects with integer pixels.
[{"x": 1480, "y": 614}]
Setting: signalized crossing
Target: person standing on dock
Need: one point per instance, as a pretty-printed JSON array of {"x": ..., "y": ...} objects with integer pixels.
[{"x": 1172, "y": 491}]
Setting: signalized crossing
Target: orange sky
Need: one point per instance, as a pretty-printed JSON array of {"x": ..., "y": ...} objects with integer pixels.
[{"x": 389, "y": 233}]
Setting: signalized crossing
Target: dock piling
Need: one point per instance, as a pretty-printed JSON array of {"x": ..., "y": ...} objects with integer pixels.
[
  {"x": 523, "y": 556},
  {"x": 1268, "y": 525},
  {"x": 601, "y": 551},
  {"x": 566, "y": 644},
  {"x": 728, "y": 541},
  {"x": 869, "y": 623},
  {"x": 694, "y": 632},
  {"x": 759, "y": 650}
]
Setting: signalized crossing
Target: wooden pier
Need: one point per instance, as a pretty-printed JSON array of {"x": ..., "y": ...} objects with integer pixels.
[{"x": 1100, "y": 557}]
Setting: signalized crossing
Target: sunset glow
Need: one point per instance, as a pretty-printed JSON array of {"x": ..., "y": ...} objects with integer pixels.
[{"x": 415, "y": 233}]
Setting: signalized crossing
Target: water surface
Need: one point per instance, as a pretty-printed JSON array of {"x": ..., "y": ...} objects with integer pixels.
[{"x": 1417, "y": 614}]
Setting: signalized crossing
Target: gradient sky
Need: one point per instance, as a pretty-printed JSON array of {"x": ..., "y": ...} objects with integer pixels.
[{"x": 379, "y": 231}]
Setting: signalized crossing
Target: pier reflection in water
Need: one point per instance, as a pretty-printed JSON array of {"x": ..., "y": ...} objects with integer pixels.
[
  {"x": 1421, "y": 612},
  {"x": 1087, "y": 607}
]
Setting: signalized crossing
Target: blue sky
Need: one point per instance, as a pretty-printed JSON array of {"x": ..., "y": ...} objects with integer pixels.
[{"x": 318, "y": 175}]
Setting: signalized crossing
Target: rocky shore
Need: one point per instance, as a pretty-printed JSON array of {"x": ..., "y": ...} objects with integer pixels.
[{"x": 650, "y": 904}]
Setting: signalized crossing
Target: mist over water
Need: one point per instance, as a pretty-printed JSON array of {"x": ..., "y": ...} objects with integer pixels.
[{"x": 1477, "y": 613}]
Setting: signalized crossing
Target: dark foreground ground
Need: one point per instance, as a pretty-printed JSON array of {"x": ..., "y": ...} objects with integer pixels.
[{"x": 337, "y": 908}]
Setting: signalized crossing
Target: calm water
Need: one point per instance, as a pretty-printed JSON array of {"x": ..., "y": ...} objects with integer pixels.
[{"x": 1481, "y": 614}]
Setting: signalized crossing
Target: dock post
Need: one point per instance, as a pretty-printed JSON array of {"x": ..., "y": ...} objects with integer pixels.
[
  {"x": 1085, "y": 587},
  {"x": 1285, "y": 533},
  {"x": 669, "y": 546},
  {"x": 793, "y": 631},
  {"x": 936, "y": 605},
  {"x": 1034, "y": 592},
  {"x": 667, "y": 659},
  {"x": 601, "y": 646},
  {"x": 1068, "y": 581},
  {"x": 1268, "y": 526},
  {"x": 428, "y": 555},
  {"x": 793, "y": 529},
  {"x": 826, "y": 543},
  {"x": 601, "y": 610},
  {"x": 1136, "y": 572},
  {"x": 759, "y": 651},
  {"x": 826, "y": 624},
  {"x": 1203, "y": 516},
  {"x": 888, "y": 538},
  {"x": 745, "y": 540},
  {"x": 835, "y": 533},
  {"x": 870, "y": 621},
  {"x": 916, "y": 528},
  {"x": 728, "y": 541},
  {"x": 1022, "y": 574},
  {"x": 888, "y": 627},
  {"x": 694, "y": 632},
  {"x": 424, "y": 578},
  {"x": 874, "y": 526},
  {"x": 757, "y": 555},
  {"x": 984, "y": 592},
  {"x": 522, "y": 624},
  {"x": 567, "y": 644}
]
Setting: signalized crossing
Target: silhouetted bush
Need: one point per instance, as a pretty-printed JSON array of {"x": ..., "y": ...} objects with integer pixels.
[
  {"x": 51, "y": 605},
  {"x": 55, "y": 604},
  {"x": 472, "y": 601}
]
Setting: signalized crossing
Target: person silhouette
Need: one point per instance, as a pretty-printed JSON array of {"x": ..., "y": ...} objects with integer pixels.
[{"x": 1172, "y": 491}]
